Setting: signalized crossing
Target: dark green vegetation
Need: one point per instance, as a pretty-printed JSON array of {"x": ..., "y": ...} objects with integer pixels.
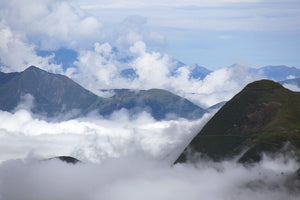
[
  {"x": 67, "y": 159},
  {"x": 263, "y": 117},
  {"x": 56, "y": 94}
]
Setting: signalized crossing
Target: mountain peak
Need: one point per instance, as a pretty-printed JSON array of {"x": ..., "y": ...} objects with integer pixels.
[
  {"x": 264, "y": 84},
  {"x": 32, "y": 67},
  {"x": 260, "y": 118}
]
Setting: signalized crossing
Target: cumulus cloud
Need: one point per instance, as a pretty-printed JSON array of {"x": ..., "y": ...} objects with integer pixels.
[
  {"x": 221, "y": 85},
  {"x": 133, "y": 28},
  {"x": 27, "y": 27},
  {"x": 292, "y": 87},
  {"x": 16, "y": 55},
  {"x": 155, "y": 70},
  {"x": 50, "y": 23}
]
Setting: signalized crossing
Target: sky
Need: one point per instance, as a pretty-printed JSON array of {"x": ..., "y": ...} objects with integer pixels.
[
  {"x": 214, "y": 34},
  {"x": 93, "y": 41}
]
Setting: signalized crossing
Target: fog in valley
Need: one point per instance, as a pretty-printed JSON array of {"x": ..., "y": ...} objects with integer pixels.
[{"x": 125, "y": 157}]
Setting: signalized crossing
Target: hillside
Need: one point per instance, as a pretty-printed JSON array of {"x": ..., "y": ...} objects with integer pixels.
[
  {"x": 160, "y": 103},
  {"x": 55, "y": 94},
  {"x": 261, "y": 118}
]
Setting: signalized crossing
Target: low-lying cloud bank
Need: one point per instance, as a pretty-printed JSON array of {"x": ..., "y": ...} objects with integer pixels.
[
  {"x": 126, "y": 157},
  {"x": 139, "y": 178},
  {"x": 93, "y": 137}
]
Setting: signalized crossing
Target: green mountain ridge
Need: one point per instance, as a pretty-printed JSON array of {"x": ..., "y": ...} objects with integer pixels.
[
  {"x": 55, "y": 94},
  {"x": 263, "y": 117}
]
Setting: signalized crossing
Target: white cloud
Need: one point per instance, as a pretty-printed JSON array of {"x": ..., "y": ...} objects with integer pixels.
[
  {"x": 132, "y": 29},
  {"x": 152, "y": 68},
  {"x": 221, "y": 85},
  {"x": 94, "y": 138},
  {"x": 97, "y": 69},
  {"x": 291, "y": 77},
  {"x": 16, "y": 55},
  {"x": 167, "y": 3},
  {"x": 138, "y": 48},
  {"x": 102, "y": 70},
  {"x": 50, "y": 24},
  {"x": 135, "y": 155},
  {"x": 292, "y": 87},
  {"x": 138, "y": 178}
]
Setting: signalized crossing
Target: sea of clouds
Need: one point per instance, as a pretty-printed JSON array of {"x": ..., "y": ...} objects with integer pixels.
[{"x": 125, "y": 157}]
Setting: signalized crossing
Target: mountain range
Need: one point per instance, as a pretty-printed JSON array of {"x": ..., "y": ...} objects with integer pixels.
[
  {"x": 279, "y": 72},
  {"x": 55, "y": 94},
  {"x": 67, "y": 57},
  {"x": 263, "y": 117}
]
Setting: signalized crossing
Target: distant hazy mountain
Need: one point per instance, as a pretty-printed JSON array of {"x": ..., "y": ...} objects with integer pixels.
[
  {"x": 261, "y": 118},
  {"x": 278, "y": 73},
  {"x": 295, "y": 82},
  {"x": 196, "y": 71},
  {"x": 199, "y": 72},
  {"x": 158, "y": 102},
  {"x": 55, "y": 94}
]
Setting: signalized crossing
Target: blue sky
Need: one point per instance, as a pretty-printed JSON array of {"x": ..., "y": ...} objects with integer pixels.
[
  {"x": 212, "y": 33},
  {"x": 216, "y": 33}
]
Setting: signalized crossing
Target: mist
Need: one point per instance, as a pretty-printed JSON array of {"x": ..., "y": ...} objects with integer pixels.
[
  {"x": 134, "y": 177},
  {"x": 125, "y": 157},
  {"x": 93, "y": 137}
]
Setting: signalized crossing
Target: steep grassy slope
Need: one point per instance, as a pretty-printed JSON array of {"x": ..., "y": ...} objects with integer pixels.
[{"x": 262, "y": 117}]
